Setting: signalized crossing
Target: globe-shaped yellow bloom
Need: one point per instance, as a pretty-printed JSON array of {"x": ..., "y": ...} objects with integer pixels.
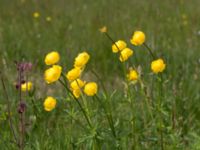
[
  {"x": 125, "y": 54},
  {"x": 133, "y": 75},
  {"x": 27, "y": 86},
  {"x": 81, "y": 60},
  {"x": 118, "y": 46},
  {"x": 76, "y": 93},
  {"x": 36, "y": 14},
  {"x": 77, "y": 84},
  {"x": 73, "y": 74},
  {"x": 49, "y": 103},
  {"x": 90, "y": 89},
  {"x": 52, "y": 74},
  {"x": 103, "y": 29},
  {"x": 52, "y": 58},
  {"x": 158, "y": 65},
  {"x": 138, "y": 38}
]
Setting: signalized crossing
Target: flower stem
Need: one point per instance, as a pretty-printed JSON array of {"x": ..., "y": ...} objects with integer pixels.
[
  {"x": 160, "y": 111},
  {"x": 109, "y": 117},
  {"x": 9, "y": 110},
  {"x": 21, "y": 117},
  {"x": 79, "y": 104},
  {"x": 150, "y": 51}
]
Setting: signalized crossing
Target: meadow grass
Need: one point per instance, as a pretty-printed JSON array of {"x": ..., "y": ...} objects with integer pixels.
[{"x": 172, "y": 30}]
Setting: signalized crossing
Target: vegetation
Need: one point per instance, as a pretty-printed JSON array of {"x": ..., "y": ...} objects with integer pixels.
[{"x": 101, "y": 88}]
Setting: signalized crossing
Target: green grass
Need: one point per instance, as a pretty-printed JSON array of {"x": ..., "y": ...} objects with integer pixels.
[{"x": 75, "y": 28}]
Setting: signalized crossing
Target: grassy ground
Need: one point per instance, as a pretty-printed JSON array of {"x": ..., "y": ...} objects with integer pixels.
[{"x": 172, "y": 29}]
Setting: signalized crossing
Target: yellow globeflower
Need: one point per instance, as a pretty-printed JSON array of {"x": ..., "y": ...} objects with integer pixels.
[
  {"x": 90, "y": 89},
  {"x": 81, "y": 59},
  {"x": 138, "y": 38},
  {"x": 52, "y": 74},
  {"x": 125, "y": 54},
  {"x": 103, "y": 29},
  {"x": 76, "y": 93},
  {"x": 118, "y": 46},
  {"x": 36, "y": 14},
  {"x": 158, "y": 65},
  {"x": 73, "y": 74},
  {"x": 133, "y": 75},
  {"x": 52, "y": 58},
  {"x": 48, "y": 19},
  {"x": 49, "y": 103},
  {"x": 77, "y": 84},
  {"x": 27, "y": 86}
]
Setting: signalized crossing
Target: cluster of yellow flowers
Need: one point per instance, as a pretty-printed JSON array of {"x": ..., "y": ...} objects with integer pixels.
[
  {"x": 125, "y": 52},
  {"x": 53, "y": 74},
  {"x": 157, "y": 65},
  {"x": 36, "y": 15},
  {"x": 76, "y": 84},
  {"x": 27, "y": 86},
  {"x": 138, "y": 38}
]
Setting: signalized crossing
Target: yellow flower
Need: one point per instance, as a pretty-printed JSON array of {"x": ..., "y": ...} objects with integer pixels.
[
  {"x": 27, "y": 86},
  {"x": 81, "y": 59},
  {"x": 48, "y": 19},
  {"x": 103, "y": 29},
  {"x": 118, "y": 46},
  {"x": 52, "y": 74},
  {"x": 90, "y": 89},
  {"x": 76, "y": 93},
  {"x": 77, "y": 84},
  {"x": 125, "y": 54},
  {"x": 36, "y": 14},
  {"x": 52, "y": 58},
  {"x": 49, "y": 103},
  {"x": 158, "y": 65},
  {"x": 133, "y": 75},
  {"x": 138, "y": 38},
  {"x": 73, "y": 74}
]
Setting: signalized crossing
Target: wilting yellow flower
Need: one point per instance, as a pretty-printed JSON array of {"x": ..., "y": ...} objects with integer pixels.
[
  {"x": 90, "y": 89},
  {"x": 118, "y": 46},
  {"x": 125, "y": 54},
  {"x": 103, "y": 29},
  {"x": 81, "y": 60},
  {"x": 138, "y": 38},
  {"x": 27, "y": 86},
  {"x": 49, "y": 103},
  {"x": 48, "y": 19},
  {"x": 133, "y": 75},
  {"x": 158, "y": 65},
  {"x": 36, "y": 14},
  {"x": 52, "y": 74},
  {"x": 76, "y": 93},
  {"x": 52, "y": 58},
  {"x": 73, "y": 74},
  {"x": 77, "y": 84}
]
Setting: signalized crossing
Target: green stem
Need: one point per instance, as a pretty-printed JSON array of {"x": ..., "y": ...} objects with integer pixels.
[
  {"x": 109, "y": 117},
  {"x": 146, "y": 98},
  {"x": 133, "y": 120},
  {"x": 160, "y": 112},
  {"x": 9, "y": 110},
  {"x": 101, "y": 82},
  {"x": 150, "y": 51},
  {"x": 79, "y": 104}
]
